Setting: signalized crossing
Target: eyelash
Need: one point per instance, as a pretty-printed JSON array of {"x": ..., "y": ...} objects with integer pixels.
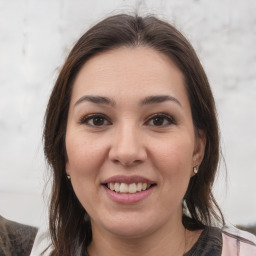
[
  {"x": 92, "y": 117},
  {"x": 85, "y": 119},
  {"x": 170, "y": 119}
]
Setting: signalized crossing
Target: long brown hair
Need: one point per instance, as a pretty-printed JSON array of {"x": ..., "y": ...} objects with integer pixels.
[{"x": 69, "y": 222}]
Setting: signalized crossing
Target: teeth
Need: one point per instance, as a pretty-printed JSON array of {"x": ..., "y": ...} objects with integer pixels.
[
  {"x": 124, "y": 188},
  {"x": 111, "y": 186},
  {"x": 132, "y": 188},
  {"x": 128, "y": 188},
  {"x": 117, "y": 187},
  {"x": 139, "y": 186}
]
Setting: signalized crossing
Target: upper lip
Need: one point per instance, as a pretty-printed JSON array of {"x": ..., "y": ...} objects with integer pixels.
[{"x": 128, "y": 179}]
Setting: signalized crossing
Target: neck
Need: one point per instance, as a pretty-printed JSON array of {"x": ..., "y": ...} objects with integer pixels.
[{"x": 170, "y": 240}]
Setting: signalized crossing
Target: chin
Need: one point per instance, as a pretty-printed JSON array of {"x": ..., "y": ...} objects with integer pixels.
[
  {"x": 129, "y": 230},
  {"x": 127, "y": 225}
]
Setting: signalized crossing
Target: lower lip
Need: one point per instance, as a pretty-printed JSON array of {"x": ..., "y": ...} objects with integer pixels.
[{"x": 127, "y": 198}]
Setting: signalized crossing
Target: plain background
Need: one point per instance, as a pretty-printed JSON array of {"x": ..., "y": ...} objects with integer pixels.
[{"x": 35, "y": 38}]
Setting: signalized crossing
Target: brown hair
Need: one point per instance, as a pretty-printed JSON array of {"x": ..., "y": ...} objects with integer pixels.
[{"x": 69, "y": 222}]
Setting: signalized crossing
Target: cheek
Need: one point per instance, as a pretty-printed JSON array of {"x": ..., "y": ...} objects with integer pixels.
[
  {"x": 84, "y": 160},
  {"x": 175, "y": 157},
  {"x": 83, "y": 154},
  {"x": 173, "y": 163}
]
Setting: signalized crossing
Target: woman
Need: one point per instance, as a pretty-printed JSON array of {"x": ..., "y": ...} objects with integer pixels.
[{"x": 132, "y": 138}]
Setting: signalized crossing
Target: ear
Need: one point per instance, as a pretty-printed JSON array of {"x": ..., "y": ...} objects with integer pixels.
[{"x": 199, "y": 149}]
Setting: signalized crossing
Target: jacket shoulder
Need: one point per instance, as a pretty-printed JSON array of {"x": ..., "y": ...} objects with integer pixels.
[{"x": 238, "y": 242}]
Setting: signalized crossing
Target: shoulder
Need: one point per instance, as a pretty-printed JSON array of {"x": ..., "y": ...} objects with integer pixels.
[
  {"x": 16, "y": 238},
  {"x": 227, "y": 241},
  {"x": 238, "y": 242}
]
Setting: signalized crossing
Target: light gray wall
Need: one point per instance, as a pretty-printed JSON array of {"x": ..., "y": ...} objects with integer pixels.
[{"x": 35, "y": 37}]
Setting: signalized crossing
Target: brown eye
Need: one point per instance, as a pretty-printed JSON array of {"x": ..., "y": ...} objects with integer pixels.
[
  {"x": 160, "y": 120},
  {"x": 95, "y": 120},
  {"x": 98, "y": 120}
]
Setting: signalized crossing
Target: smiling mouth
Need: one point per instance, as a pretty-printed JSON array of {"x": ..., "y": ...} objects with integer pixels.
[{"x": 128, "y": 188}]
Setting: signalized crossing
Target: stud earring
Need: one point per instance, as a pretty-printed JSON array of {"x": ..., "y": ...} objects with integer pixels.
[
  {"x": 195, "y": 170},
  {"x": 68, "y": 176}
]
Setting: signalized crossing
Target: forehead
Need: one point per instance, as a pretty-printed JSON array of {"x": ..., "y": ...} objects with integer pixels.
[{"x": 129, "y": 72}]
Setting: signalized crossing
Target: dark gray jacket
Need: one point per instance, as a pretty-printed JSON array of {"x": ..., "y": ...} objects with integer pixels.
[{"x": 15, "y": 239}]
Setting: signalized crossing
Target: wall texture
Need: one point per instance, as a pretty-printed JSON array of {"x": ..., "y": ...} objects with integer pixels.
[{"x": 35, "y": 37}]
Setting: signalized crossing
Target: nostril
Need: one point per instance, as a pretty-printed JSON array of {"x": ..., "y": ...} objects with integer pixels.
[
  {"x": 130, "y": 162},
  {"x": 127, "y": 152}
]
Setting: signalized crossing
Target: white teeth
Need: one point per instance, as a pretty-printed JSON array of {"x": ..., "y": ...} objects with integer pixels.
[
  {"x": 124, "y": 188},
  {"x": 144, "y": 186},
  {"x": 132, "y": 188},
  {"x": 139, "y": 186},
  {"x": 117, "y": 187},
  {"x": 111, "y": 186},
  {"x": 128, "y": 188}
]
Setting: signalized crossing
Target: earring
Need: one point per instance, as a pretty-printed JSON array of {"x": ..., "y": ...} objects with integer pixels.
[
  {"x": 68, "y": 176},
  {"x": 195, "y": 170}
]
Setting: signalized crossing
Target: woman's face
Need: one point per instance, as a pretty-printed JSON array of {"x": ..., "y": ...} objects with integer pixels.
[{"x": 130, "y": 141}]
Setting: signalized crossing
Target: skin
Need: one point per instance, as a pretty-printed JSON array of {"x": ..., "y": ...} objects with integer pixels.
[{"x": 129, "y": 141}]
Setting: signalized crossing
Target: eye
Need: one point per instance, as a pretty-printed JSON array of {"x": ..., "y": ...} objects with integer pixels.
[
  {"x": 160, "y": 120},
  {"x": 95, "y": 120}
]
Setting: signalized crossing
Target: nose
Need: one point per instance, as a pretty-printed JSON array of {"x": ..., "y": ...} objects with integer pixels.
[{"x": 127, "y": 147}]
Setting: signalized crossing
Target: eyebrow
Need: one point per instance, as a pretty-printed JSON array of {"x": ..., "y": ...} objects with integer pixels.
[
  {"x": 96, "y": 99},
  {"x": 108, "y": 101},
  {"x": 159, "y": 99}
]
